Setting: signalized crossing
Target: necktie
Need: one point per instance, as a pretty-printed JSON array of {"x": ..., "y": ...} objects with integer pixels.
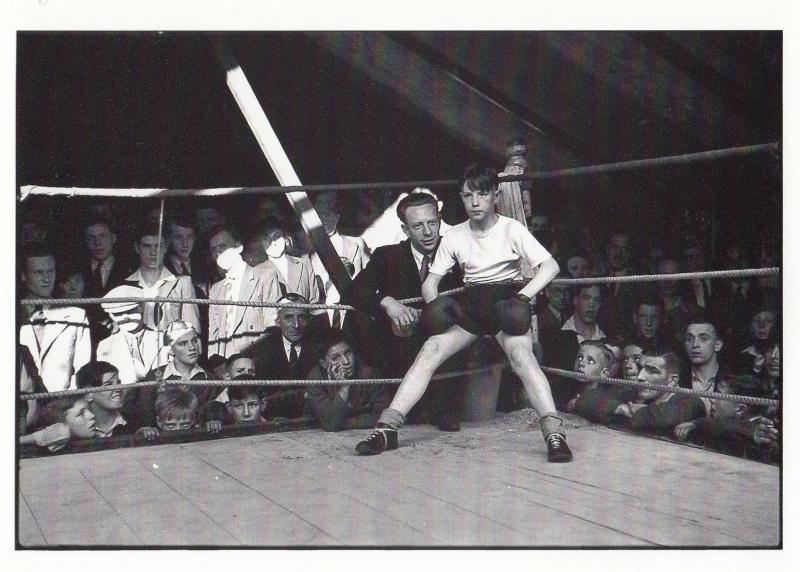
[
  {"x": 336, "y": 322},
  {"x": 424, "y": 267},
  {"x": 97, "y": 278},
  {"x": 292, "y": 356},
  {"x": 185, "y": 270}
]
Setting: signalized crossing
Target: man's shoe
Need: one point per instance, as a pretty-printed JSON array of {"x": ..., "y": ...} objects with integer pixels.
[
  {"x": 449, "y": 422},
  {"x": 557, "y": 448},
  {"x": 382, "y": 439}
]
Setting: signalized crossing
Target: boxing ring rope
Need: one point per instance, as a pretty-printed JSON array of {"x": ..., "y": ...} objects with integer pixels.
[
  {"x": 684, "y": 159},
  {"x": 738, "y": 273},
  {"x": 240, "y": 382},
  {"x": 679, "y": 390},
  {"x": 395, "y": 381}
]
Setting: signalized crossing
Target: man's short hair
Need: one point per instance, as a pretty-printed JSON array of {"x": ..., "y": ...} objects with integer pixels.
[
  {"x": 480, "y": 178},
  {"x": 672, "y": 363},
  {"x": 293, "y": 298},
  {"x": 181, "y": 219},
  {"x": 702, "y": 316},
  {"x": 218, "y": 228},
  {"x": 175, "y": 402},
  {"x": 147, "y": 228},
  {"x": 273, "y": 223},
  {"x": 614, "y": 341},
  {"x": 581, "y": 287},
  {"x": 100, "y": 220},
  {"x": 415, "y": 200},
  {"x": 600, "y": 345},
  {"x": 229, "y": 361},
  {"x": 648, "y": 297},
  {"x": 91, "y": 374},
  {"x": 37, "y": 250}
]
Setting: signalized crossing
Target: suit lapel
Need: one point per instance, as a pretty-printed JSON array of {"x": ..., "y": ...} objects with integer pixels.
[
  {"x": 246, "y": 293},
  {"x": 52, "y": 331},
  {"x": 294, "y": 272}
]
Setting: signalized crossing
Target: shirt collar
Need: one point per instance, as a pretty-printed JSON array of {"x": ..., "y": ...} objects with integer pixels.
[
  {"x": 569, "y": 326},
  {"x": 287, "y": 345},
  {"x": 103, "y": 263},
  {"x": 170, "y": 371},
  {"x": 119, "y": 420},
  {"x": 165, "y": 276}
]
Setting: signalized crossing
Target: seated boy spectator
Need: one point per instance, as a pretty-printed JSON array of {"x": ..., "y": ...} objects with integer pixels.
[
  {"x": 184, "y": 348},
  {"x": 598, "y": 401},
  {"x": 72, "y": 418},
  {"x": 658, "y": 412},
  {"x": 647, "y": 319},
  {"x": 762, "y": 333},
  {"x": 176, "y": 409},
  {"x": 339, "y": 407},
  {"x": 737, "y": 428},
  {"x": 105, "y": 405},
  {"x": 246, "y": 405},
  {"x": 561, "y": 346}
]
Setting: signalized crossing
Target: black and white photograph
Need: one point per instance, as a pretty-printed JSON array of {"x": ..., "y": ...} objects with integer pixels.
[{"x": 399, "y": 287}]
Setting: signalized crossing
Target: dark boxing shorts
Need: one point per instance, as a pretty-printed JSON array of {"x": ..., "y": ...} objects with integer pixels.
[{"x": 479, "y": 305}]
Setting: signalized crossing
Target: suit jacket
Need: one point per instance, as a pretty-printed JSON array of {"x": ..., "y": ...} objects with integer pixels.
[
  {"x": 393, "y": 272},
  {"x": 301, "y": 278},
  {"x": 119, "y": 350},
  {"x": 66, "y": 346},
  {"x": 271, "y": 361},
  {"x": 250, "y": 322},
  {"x": 159, "y": 316},
  {"x": 119, "y": 273}
]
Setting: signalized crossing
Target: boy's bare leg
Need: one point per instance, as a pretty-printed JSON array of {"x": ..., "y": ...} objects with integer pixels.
[
  {"x": 520, "y": 355},
  {"x": 436, "y": 350}
]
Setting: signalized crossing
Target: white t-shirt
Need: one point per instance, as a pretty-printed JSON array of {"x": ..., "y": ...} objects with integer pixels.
[{"x": 492, "y": 257}]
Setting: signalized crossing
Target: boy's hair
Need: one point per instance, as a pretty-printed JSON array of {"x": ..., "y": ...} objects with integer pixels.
[
  {"x": 175, "y": 402},
  {"x": 606, "y": 351},
  {"x": 56, "y": 410},
  {"x": 615, "y": 341},
  {"x": 240, "y": 392},
  {"x": 480, "y": 178},
  {"x": 415, "y": 200},
  {"x": 91, "y": 374},
  {"x": 648, "y": 297},
  {"x": 581, "y": 287},
  {"x": 329, "y": 339}
]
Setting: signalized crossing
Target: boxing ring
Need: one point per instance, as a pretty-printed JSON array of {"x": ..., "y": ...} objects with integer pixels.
[{"x": 486, "y": 486}]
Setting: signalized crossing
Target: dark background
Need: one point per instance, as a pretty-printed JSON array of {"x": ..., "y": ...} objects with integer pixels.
[{"x": 152, "y": 110}]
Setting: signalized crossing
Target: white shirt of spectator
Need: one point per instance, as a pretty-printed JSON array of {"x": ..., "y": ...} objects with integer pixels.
[
  {"x": 569, "y": 326},
  {"x": 494, "y": 256},
  {"x": 287, "y": 347}
]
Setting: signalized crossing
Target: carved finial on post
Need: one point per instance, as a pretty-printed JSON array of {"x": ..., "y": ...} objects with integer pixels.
[{"x": 515, "y": 201}]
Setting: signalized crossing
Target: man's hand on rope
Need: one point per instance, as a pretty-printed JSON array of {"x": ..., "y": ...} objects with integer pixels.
[
  {"x": 214, "y": 426},
  {"x": 402, "y": 316},
  {"x": 764, "y": 432},
  {"x": 147, "y": 433},
  {"x": 683, "y": 431}
]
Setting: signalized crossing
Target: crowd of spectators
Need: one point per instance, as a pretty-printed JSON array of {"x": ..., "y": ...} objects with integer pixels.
[{"x": 710, "y": 335}]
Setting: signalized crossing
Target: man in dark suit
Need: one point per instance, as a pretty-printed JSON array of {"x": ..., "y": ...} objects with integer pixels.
[
  {"x": 396, "y": 272},
  {"x": 102, "y": 272},
  {"x": 285, "y": 352}
]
